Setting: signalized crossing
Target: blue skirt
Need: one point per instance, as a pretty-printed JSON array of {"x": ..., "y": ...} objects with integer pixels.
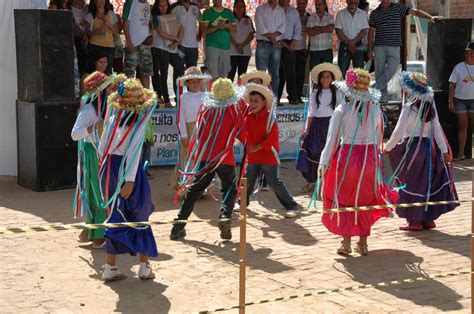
[
  {"x": 311, "y": 148},
  {"x": 421, "y": 184},
  {"x": 137, "y": 208}
]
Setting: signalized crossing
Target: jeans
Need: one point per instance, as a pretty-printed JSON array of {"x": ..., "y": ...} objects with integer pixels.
[
  {"x": 386, "y": 62},
  {"x": 287, "y": 74},
  {"x": 345, "y": 56},
  {"x": 268, "y": 58},
  {"x": 161, "y": 62},
  {"x": 320, "y": 56},
  {"x": 190, "y": 56},
  {"x": 238, "y": 64},
  {"x": 271, "y": 175},
  {"x": 301, "y": 57},
  {"x": 226, "y": 174}
]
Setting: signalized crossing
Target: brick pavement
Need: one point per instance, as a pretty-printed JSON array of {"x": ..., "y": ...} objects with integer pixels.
[{"x": 50, "y": 272}]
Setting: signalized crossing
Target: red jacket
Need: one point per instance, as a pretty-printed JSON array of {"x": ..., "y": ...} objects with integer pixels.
[{"x": 256, "y": 133}]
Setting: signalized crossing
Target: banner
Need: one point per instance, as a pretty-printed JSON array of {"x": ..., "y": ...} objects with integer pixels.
[{"x": 165, "y": 151}]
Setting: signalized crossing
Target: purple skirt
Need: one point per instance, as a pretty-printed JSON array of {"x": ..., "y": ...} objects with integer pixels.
[
  {"x": 311, "y": 148},
  {"x": 421, "y": 184},
  {"x": 137, "y": 208}
]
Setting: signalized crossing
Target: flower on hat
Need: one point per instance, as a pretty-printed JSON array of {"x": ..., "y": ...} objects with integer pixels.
[
  {"x": 131, "y": 96},
  {"x": 351, "y": 77}
]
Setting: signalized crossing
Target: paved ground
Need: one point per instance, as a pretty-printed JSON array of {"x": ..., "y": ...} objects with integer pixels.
[{"x": 50, "y": 272}]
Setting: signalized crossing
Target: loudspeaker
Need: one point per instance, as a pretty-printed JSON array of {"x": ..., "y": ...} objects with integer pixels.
[
  {"x": 44, "y": 55},
  {"x": 447, "y": 39},
  {"x": 449, "y": 124},
  {"x": 47, "y": 156}
]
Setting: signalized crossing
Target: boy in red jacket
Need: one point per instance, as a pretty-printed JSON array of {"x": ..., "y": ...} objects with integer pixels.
[
  {"x": 262, "y": 146},
  {"x": 211, "y": 151}
]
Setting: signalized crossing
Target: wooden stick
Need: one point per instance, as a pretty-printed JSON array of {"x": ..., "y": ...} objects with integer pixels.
[{"x": 243, "y": 244}]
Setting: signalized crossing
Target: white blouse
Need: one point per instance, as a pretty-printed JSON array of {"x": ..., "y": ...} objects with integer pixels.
[
  {"x": 324, "y": 110},
  {"x": 343, "y": 126},
  {"x": 87, "y": 117},
  {"x": 409, "y": 123},
  {"x": 188, "y": 110}
]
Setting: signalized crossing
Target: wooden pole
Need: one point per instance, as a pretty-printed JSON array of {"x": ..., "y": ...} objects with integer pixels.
[
  {"x": 472, "y": 246},
  {"x": 243, "y": 244}
]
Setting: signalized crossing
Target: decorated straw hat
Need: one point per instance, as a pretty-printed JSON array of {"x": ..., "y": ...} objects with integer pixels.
[
  {"x": 96, "y": 82},
  {"x": 264, "y": 76},
  {"x": 416, "y": 85},
  {"x": 326, "y": 66},
  {"x": 223, "y": 93},
  {"x": 193, "y": 73},
  {"x": 131, "y": 96},
  {"x": 357, "y": 86},
  {"x": 266, "y": 93},
  {"x": 118, "y": 78}
]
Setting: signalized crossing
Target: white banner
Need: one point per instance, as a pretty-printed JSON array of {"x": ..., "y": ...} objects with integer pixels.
[{"x": 165, "y": 121}]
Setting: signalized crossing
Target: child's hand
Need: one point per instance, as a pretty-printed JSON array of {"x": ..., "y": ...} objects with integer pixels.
[
  {"x": 253, "y": 148},
  {"x": 447, "y": 158},
  {"x": 126, "y": 189}
]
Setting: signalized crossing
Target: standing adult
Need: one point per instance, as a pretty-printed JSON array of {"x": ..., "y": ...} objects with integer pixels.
[
  {"x": 241, "y": 51},
  {"x": 216, "y": 25},
  {"x": 351, "y": 26},
  {"x": 188, "y": 16},
  {"x": 101, "y": 26},
  {"x": 320, "y": 29},
  {"x": 301, "y": 49},
  {"x": 270, "y": 21},
  {"x": 136, "y": 27},
  {"x": 461, "y": 96},
  {"x": 288, "y": 60},
  {"x": 165, "y": 54},
  {"x": 79, "y": 12},
  {"x": 385, "y": 23}
]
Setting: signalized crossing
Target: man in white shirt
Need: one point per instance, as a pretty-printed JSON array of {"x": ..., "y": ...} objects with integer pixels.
[
  {"x": 320, "y": 29},
  {"x": 270, "y": 25},
  {"x": 352, "y": 25},
  {"x": 288, "y": 43},
  {"x": 188, "y": 16},
  {"x": 301, "y": 49}
]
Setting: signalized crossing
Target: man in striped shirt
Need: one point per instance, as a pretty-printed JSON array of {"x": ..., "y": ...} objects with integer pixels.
[{"x": 385, "y": 23}]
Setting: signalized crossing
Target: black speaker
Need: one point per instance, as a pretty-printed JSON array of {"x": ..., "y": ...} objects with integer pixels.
[
  {"x": 447, "y": 39},
  {"x": 44, "y": 55},
  {"x": 449, "y": 124},
  {"x": 47, "y": 156}
]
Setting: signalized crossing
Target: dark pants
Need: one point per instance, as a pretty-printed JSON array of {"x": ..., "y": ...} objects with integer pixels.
[
  {"x": 92, "y": 53},
  {"x": 226, "y": 174},
  {"x": 146, "y": 153},
  {"x": 320, "y": 56},
  {"x": 300, "y": 71},
  {"x": 271, "y": 175},
  {"x": 190, "y": 56},
  {"x": 345, "y": 56},
  {"x": 81, "y": 55},
  {"x": 239, "y": 65},
  {"x": 161, "y": 62},
  {"x": 287, "y": 74}
]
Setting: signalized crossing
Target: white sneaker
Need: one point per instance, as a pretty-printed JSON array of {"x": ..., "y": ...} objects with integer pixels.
[
  {"x": 145, "y": 272},
  {"x": 111, "y": 273},
  {"x": 292, "y": 213}
]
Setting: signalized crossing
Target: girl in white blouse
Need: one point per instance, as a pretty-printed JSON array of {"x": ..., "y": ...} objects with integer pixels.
[{"x": 420, "y": 156}]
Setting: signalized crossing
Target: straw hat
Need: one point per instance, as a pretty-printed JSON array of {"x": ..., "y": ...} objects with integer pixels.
[
  {"x": 326, "y": 66},
  {"x": 416, "y": 85},
  {"x": 267, "y": 94},
  {"x": 96, "y": 82},
  {"x": 193, "y": 73},
  {"x": 131, "y": 96},
  {"x": 223, "y": 93},
  {"x": 256, "y": 74},
  {"x": 357, "y": 86}
]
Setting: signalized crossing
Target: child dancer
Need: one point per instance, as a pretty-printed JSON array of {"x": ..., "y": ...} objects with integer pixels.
[
  {"x": 322, "y": 102},
  {"x": 189, "y": 103},
  {"x": 86, "y": 132},
  {"x": 124, "y": 183},
  {"x": 352, "y": 158},
  {"x": 261, "y": 133},
  {"x": 211, "y": 151},
  {"x": 419, "y": 155}
]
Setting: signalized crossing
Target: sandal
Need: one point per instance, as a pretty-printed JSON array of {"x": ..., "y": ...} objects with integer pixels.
[
  {"x": 459, "y": 158},
  {"x": 361, "y": 249},
  {"x": 345, "y": 248}
]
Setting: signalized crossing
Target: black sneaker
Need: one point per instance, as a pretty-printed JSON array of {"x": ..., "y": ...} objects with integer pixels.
[
  {"x": 177, "y": 232},
  {"x": 224, "y": 227}
]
